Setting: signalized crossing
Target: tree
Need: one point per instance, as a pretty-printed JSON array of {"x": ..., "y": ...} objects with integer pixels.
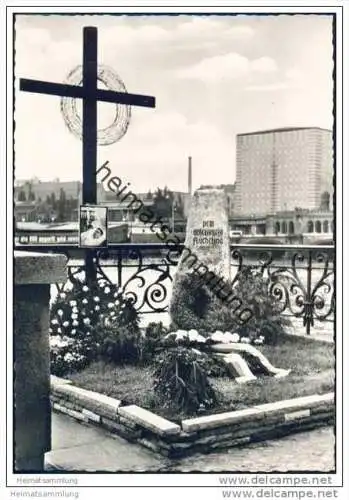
[
  {"x": 31, "y": 195},
  {"x": 325, "y": 201},
  {"x": 179, "y": 210},
  {"x": 22, "y": 196},
  {"x": 163, "y": 200},
  {"x": 62, "y": 205}
]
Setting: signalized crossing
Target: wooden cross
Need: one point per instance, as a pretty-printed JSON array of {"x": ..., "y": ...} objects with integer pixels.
[{"x": 90, "y": 95}]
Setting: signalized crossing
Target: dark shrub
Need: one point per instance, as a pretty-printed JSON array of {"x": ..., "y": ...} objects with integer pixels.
[
  {"x": 150, "y": 341},
  {"x": 194, "y": 305},
  {"x": 117, "y": 343},
  {"x": 254, "y": 291},
  {"x": 181, "y": 381}
]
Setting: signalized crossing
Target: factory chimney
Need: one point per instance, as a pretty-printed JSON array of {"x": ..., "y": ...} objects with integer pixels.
[{"x": 189, "y": 176}]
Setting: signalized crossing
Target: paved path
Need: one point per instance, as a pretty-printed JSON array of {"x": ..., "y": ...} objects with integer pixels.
[{"x": 79, "y": 447}]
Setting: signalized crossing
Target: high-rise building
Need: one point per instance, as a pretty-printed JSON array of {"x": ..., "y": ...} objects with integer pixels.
[{"x": 282, "y": 169}]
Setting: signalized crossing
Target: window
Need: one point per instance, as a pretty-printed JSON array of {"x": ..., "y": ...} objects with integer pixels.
[
  {"x": 310, "y": 226},
  {"x": 318, "y": 226},
  {"x": 325, "y": 226},
  {"x": 284, "y": 227},
  {"x": 277, "y": 227},
  {"x": 291, "y": 227}
]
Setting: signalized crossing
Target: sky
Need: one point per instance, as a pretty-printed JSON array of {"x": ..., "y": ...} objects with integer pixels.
[{"x": 212, "y": 76}]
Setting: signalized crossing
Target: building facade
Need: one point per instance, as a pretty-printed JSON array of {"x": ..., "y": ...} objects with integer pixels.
[{"x": 283, "y": 169}]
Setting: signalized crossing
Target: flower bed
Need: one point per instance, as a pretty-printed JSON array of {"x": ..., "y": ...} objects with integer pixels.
[
  {"x": 201, "y": 434},
  {"x": 312, "y": 371},
  {"x": 96, "y": 339}
]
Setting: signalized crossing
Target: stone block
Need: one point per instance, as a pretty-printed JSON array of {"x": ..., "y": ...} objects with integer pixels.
[
  {"x": 58, "y": 381},
  {"x": 91, "y": 416},
  {"x": 149, "y": 420},
  {"x": 205, "y": 259},
  {"x": 98, "y": 403},
  {"x": 221, "y": 419},
  {"x": 296, "y": 415},
  {"x": 33, "y": 275},
  {"x": 207, "y": 233},
  {"x": 114, "y": 426},
  {"x": 39, "y": 268},
  {"x": 72, "y": 413},
  {"x": 306, "y": 402}
]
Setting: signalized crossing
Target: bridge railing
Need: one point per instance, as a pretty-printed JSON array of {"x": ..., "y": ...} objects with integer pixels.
[{"x": 301, "y": 278}]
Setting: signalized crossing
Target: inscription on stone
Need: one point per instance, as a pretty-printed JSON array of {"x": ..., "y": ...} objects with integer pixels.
[{"x": 208, "y": 235}]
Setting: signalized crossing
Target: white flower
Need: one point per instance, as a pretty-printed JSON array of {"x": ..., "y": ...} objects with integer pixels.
[
  {"x": 258, "y": 341},
  {"x": 245, "y": 340},
  {"x": 96, "y": 299},
  {"x": 73, "y": 331},
  {"x": 75, "y": 323},
  {"x": 181, "y": 334},
  {"x": 97, "y": 308},
  {"x": 60, "y": 312},
  {"x": 113, "y": 313},
  {"x": 55, "y": 342},
  {"x": 116, "y": 294},
  {"x": 232, "y": 337},
  {"x": 85, "y": 288},
  {"x": 111, "y": 305},
  {"x": 75, "y": 310},
  {"x": 193, "y": 335},
  {"x": 200, "y": 339},
  {"x": 87, "y": 321},
  {"x": 65, "y": 324},
  {"x": 84, "y": 301},
  {"x": 54, "y": 322},
  {"x": 73, "y": 303},
  {"x": 218, "y": 336},
  {"x": 262, "y": 338},
  {"x": 59, "y": 330},
  {"x": 74, "y": 316},
  {"x": 68, "y": 357},
  {"x": 62, "y": 295},
  {"x": 107, "y": 289}
]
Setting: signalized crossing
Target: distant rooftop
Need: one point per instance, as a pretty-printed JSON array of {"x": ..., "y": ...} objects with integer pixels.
[{"x": 283, "y": 129}]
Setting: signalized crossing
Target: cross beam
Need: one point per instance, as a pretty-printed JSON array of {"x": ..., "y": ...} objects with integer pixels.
[{"x": 75, "y": 91}]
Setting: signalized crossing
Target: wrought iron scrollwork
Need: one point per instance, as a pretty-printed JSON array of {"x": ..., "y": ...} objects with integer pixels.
[
  {"x": 301, "y": 280},
  {"x": 304, "y": 288}
]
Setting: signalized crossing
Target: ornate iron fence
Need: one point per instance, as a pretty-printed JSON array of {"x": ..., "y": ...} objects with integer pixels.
[{"x": 301, "y": 278}]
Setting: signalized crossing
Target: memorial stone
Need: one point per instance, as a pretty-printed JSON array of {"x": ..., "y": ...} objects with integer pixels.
[
  {"x": 208, "y": 232},
  {"x": 206, "y": 257}
]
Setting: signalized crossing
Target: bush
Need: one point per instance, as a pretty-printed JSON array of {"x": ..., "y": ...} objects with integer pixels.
[
  {"x": 253, "y": 290},
  {"x": 118, "y": 343},
  {"x": 195, "y": 306},
  {"x": 82, "y": 322},
  {"x": 151, "y": 341},
  {"x": 181, "y": 381}
]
